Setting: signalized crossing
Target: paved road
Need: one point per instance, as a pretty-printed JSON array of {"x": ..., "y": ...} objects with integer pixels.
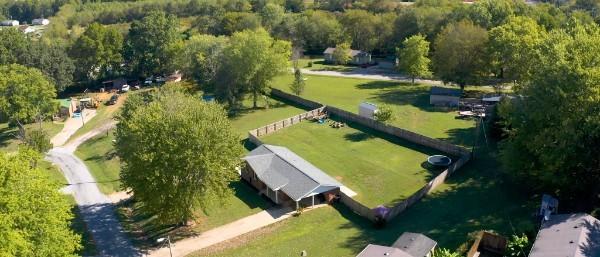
[
  {"x": 96, "y": 208},
  {"x": 370, "y": 73}
]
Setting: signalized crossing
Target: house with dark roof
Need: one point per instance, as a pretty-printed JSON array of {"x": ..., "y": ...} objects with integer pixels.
[
  {"x": 568, "y": 235},
  {"x": 442, "y": 96},
  {"x": 407, "y": 245},
  {"x": 358, "y": 57},
  {"x": 286, "y": 178}
]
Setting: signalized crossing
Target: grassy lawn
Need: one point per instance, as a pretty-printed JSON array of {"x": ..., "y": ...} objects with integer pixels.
[
  {"x": 99, "y": 156},
  {"x": 53, "y": 172},
  {"x": 8, "y": 141},
  {"x": 381, "y": 170},
  {"x": 410, "y": 104},
  {"x": 250, "y": 118},
  {"x": 145, "y": 229},
  {"x": 476, "y": 198}
]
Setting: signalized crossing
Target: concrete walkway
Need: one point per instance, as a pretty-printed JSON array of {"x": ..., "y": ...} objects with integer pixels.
[
  {"x": 96, "y": 208},
  {"x": 369, "y": 73},
  {"x": 226, "y": 232},
  {"x": 71, "y": 126}
]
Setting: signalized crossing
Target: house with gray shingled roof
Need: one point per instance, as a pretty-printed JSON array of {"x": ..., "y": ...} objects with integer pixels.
[
  {"x": 568, "y": 235},
  {"x": 286, "y": 178},
  {"x": 407, "y": 245}
]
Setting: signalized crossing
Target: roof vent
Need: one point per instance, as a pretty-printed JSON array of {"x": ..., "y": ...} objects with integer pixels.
[
  {"x": 575, "y": 227},
  {"x": 386, "y": 254},
  {"x": 570, "y": 242}
]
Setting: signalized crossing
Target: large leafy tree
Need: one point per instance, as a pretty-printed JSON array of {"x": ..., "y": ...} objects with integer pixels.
[
  {"x": 341, "y": 54},
  {"x": 317, "y": 30},
  {"x": 413, "y": 57},
  {"x": 53, "y": 61},
  {"x": 202, "y": 57},
  {"x": 514, "y": 46},
  {"x": 460, "y": 53},
  {"x": 34, "y": 216},
  {"x": 362, "y": 28},
  {"x": 151, "y": 44},
  {"x": 554, "y": 128},
  {"x": 250, "y": 61},
  {"x": 13, "y": 46},
  {"x": 178, "y": 153},
  {"x": 25, "y": 95},
  {"x": 97, "y": 52}
]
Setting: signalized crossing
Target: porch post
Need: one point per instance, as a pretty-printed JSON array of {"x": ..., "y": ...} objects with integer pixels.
[
  {"x": 297, "y": 205},
  {"x": 313, "y": 201},
  {"x": 276, "y": 200}
]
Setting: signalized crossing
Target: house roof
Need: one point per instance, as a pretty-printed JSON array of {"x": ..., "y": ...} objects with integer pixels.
[
  {"x": 415, "y": 244},
  {"x": 382, "y": 251},
  {"x": 352, "y": 53},
  {"x": 281, "y": 169},
  {"x": 568, "y": 235},
  {"x": 445, "y": 91}
]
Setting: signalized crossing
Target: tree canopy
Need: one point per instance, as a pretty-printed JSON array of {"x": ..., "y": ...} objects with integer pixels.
[
  {"x": 97, "y": 53},
  {"x": 151, "y": 44},
  {"x": 178, "y": 153},
  {"x": 413, "y": 57},
  {"x": 34, "y": 216},
  {"x": 25, "y": 95},
  {"x": 250, "y": 61},
  {"x": 554, "y": 128},
  {"x": 460, "y": 53}
]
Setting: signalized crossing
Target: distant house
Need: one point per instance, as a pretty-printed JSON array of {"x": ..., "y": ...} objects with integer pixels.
[
  {"x": 358, "y": 57},
  {"x": 40, "y": 22},
  {"x": 407, "y": 245},
  {"x": 115, "y": 84},
  {"x": 568, "y": 235},
  {"x": 11, "y": 23},
  {"x": 286, "y": 178},
  {"x": 175, "y": 77},
  {"x": 441, "y": 96}
]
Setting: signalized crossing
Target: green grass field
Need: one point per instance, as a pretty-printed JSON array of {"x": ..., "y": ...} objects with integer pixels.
[
  {"x": 477, "y": 197},
  {"x": 99, "y": 156},
  {"x": 9, "y": 142},
  {"x": 250, "y": 118},
  {"x": 380, "y": 169},
  {"x": 410, "y": 104}
]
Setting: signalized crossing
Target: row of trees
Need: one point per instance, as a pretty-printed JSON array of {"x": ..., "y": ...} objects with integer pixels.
[{"x": 553, "y": 128}]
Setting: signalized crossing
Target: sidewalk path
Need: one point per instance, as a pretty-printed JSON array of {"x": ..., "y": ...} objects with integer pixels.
[
  {"x": 71, "y": 126},
  {"x": 226, "y": 232},
  {"x": 369, "y": 73},
  {"x": 96, "y": 208}
]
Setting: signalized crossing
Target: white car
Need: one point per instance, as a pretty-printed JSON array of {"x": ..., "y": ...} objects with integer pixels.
[{"x": 125, "y": 88}]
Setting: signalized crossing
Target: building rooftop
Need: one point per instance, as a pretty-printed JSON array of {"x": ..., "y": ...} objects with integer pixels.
[
  {"x": 382, "y": 251},
  {"x": 568, "y": 235},
  {"x": 281, "y": 169},
  {"x": 445, "y": 91},
  {"x": 415, "y": 244}
]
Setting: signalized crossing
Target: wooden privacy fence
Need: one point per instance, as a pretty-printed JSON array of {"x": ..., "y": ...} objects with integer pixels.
[
  {"x": 445, "y": 147},
  {"x": 253, "y": 135}
]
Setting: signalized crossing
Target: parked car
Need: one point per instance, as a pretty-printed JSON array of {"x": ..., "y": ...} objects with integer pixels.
[
  {"x": 148, "y": 81},
  {"x": 160, "y": 79},
  {"x": 113, "y": 99},
  {"x": 125, "y": 88}
]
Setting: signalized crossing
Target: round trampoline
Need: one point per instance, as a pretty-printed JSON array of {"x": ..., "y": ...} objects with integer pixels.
[{"x": 439, "y": 160}]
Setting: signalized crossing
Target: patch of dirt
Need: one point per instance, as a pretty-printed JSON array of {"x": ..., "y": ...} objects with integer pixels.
[{"x": 338, "y": 178}]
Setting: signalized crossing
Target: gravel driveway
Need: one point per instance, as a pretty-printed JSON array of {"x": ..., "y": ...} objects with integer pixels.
[{"x": 96, "y": 208}]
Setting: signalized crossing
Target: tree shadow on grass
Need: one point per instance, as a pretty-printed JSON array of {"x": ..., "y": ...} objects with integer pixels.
[
  {"x": 475, "y": 198},
  {"x": 358, "y": 136},
  {"x": 462, "y": 136},
  {"x": 6, "y": 134},
  {"x": 380, "y": 84}
]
